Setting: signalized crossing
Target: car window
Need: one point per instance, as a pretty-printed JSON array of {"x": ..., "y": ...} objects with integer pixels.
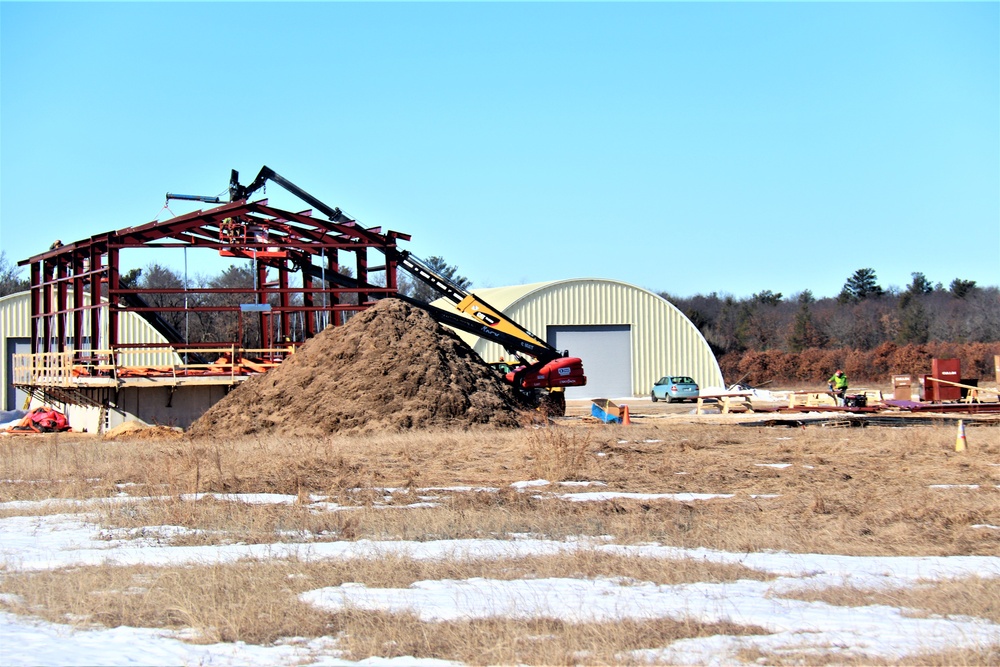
[{"x": 683, "y": 379}]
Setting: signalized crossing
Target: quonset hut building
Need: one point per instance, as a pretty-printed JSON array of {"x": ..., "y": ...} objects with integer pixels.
[{"x": 628, "y": 337}]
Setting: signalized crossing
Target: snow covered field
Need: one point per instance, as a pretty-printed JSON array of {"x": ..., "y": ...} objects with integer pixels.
[{"x": 39, "y": 541}]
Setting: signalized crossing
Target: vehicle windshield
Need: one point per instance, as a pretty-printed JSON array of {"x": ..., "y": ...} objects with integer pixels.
[{"x": 681, "y": 379}]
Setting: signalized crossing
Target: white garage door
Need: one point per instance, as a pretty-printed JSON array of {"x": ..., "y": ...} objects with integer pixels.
[{"x": 606, "y": 352}]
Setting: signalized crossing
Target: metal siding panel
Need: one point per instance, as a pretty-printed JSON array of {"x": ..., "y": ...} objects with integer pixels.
[
  {"x": 133, "y": 329},
  {"x": 15, "y": 316}
]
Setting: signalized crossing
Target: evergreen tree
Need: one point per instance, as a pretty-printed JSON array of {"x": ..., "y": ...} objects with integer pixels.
[
  {"x": 767, "y": 298},
  {"x": 131, "y": 279},
  {"x": 919, "y": 285},
  {"x": 960, "y": 289},
  {"x": 862, "y": 285}
]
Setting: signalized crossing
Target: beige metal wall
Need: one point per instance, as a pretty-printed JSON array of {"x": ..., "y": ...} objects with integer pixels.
[
  {"x": 15, "y": 322},
  {"x": 15, "y": 316},
  {"x": 663, "y": 339}
]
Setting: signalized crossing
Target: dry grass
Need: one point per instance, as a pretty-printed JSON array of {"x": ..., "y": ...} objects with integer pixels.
[
  {"x": 510, "y": 642},
  {"x": 257, "y": 602},
  {"x": 973, "y": 596},
  {"x": 974, "y": 657},
  {"x": 855, "y": 491},
  {"x": 850, "y": 491}
]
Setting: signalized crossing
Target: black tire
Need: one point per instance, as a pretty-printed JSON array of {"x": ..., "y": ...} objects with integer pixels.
[
  {"x": 668, "y": 399},
  {"x": 553, "y": 404},
  {"x": 653, "y": 396}
]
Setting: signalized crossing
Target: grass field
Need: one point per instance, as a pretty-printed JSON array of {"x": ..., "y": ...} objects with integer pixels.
[{"x": 668, "y": 481}]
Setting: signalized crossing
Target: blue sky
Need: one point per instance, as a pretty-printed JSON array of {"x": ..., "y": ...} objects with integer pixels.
[{"x": 686, "y": 148}]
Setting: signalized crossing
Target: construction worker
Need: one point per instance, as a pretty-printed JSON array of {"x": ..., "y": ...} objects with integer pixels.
[
  {"x": 503, "y": 366},
  {"x": 838, "y": 385}
]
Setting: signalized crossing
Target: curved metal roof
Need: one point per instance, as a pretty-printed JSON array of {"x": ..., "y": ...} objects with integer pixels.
[{"x": 504, "y": 297}]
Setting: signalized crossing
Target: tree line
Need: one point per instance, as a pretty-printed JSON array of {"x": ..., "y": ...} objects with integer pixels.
[{"x": 869, "y": 331}]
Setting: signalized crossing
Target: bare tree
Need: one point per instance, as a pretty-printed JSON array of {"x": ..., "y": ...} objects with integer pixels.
[
  {"x": 914, "y": 325},
  {"x": 424, "y": 292},
  {"x": 10, "y": 280},
  {"x": 804, "y": 333},
  {"x": 158, "y": 277}
]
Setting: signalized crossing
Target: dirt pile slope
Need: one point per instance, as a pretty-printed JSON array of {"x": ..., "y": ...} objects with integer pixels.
[
  {"x": 137, "y": 430},
  {"x": 391, "y": 367}
]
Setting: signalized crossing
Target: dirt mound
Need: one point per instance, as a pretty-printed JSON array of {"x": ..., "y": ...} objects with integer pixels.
[
  {"x": 391, "y": 367},
  {"x": 137, "y": 430}
]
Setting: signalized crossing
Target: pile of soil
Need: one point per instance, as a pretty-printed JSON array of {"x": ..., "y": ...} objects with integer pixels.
[
  {"x": 390, "y": 368},
  {"x": 137, "y": 430}
]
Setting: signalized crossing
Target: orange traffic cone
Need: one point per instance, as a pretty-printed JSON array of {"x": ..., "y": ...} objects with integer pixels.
[
  {"x": 960, "y": 440},
  {"x": 624, "y": 415}
]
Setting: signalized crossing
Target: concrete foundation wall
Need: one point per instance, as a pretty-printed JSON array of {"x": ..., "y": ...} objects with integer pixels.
[
  {"x": 153, "y": 405},
  {"x": 156, "y": 405}
]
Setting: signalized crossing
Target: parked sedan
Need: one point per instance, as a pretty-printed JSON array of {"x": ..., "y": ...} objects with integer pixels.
[{"x": 672, "y": 388}]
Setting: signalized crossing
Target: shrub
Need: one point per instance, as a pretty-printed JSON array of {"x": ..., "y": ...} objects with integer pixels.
[{"x": 815, "y": 365}]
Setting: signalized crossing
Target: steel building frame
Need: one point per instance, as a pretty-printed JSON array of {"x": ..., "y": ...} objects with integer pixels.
[{"x": 69, "y": 281}]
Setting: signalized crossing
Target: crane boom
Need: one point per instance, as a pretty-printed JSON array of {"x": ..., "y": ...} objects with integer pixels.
[{"x": 542, "y": 366}]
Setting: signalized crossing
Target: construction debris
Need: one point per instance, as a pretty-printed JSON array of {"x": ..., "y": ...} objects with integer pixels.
[{"x": 43, "y": 419}]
